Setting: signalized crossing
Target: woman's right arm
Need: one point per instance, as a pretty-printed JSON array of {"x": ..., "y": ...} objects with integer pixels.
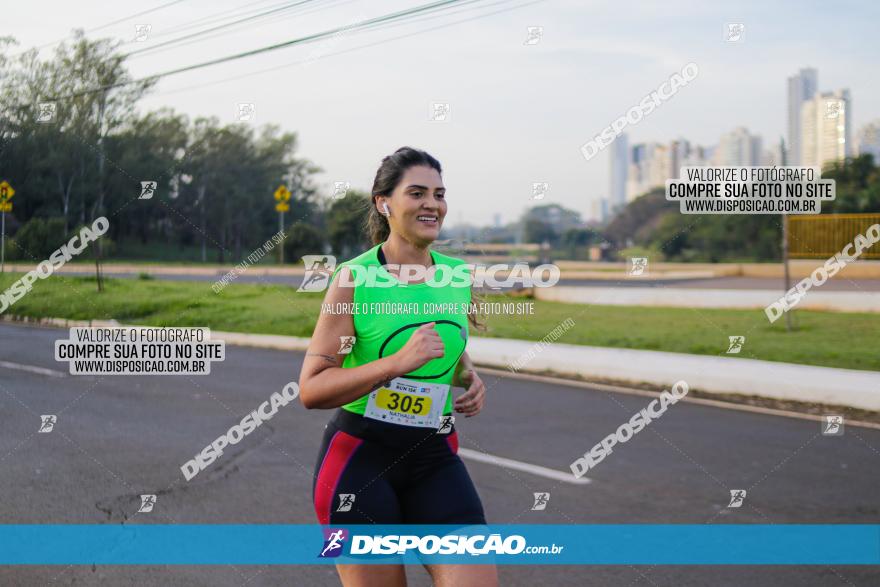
[{"x": 323, "y": 383}]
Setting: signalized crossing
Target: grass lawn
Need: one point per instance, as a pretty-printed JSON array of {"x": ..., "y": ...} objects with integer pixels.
[{"x": 821, "y": 338}]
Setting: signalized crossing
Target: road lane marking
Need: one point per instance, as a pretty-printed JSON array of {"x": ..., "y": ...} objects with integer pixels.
[
  {"x": 32, "y": 369},
  {"x": 716, "y": 403},
  {"x": 483, "y": 457}
]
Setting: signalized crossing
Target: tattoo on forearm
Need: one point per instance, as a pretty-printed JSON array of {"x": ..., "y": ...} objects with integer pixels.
[
  {"x": 382, "y": 382},
  {"x": 329, "y": 358}
]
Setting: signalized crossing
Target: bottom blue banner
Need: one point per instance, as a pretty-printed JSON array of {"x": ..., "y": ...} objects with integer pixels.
[{"x": 520, "y": 544}]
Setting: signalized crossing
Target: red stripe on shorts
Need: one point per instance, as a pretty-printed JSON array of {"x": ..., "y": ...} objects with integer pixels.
[
  {"x": 452, "y": 441},
  {"x": 339, "y": 453}
]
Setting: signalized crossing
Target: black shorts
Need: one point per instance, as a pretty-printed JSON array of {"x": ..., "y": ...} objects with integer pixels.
[{"x": 371, "y": 472}]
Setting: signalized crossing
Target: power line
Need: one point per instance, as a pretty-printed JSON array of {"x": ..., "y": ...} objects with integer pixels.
[
  {"x": 366, "y": 27},
  {"x": 109, "y": 24},
  {"x": 301, "y": 40},
  {"x": 416, "y": 19},
  {"x": 121, "y": 20},
  {"x": 196, "y": 34},
  {"x": 365, "y": 46},
  {"x": 216, "y": 18}
]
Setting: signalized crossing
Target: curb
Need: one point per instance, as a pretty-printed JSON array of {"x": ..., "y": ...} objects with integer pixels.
[
  {"x": 726, "y": 299},
  {"x": 713, "y": 375}
]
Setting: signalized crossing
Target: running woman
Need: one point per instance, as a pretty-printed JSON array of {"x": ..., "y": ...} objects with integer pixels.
[{"x": 389, "y": 454}]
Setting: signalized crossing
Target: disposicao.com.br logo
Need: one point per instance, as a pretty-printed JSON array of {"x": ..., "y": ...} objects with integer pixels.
[
  {"x": 320, "y": 269},
  {"x": 429, "y": 544}
]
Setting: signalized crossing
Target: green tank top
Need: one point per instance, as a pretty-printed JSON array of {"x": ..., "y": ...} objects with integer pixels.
[{"x": 384, "y": 333}]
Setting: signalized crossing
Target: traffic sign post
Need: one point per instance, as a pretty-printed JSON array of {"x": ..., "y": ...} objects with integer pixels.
[
  {"x": 3, "y": 241},
  {"x": 6, "y": 193},
  {"x": 282, "y": 196}
]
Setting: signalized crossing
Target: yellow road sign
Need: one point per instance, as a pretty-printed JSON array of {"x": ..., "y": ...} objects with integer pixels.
[
  {"x": 282, "y": 207},
  {"x": 282, "y": 194},
  {"x": 6, "y": 191},
  {"x": 5, "y": 206}
]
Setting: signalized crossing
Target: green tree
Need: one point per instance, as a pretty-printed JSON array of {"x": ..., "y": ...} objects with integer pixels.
[
  {"x": 639, "y": 219},
  {"x": 215, "y": 182},
  {"x": 578, "y": 238},
  {"x": 345, "y": 224},
  {"x": 40, "y": 237},
  {"x": 857, "y": 186},
  {"x": 301, "y": 239}
]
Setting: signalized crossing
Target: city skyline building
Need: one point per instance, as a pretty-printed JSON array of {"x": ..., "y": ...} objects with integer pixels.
[
  {"x": 619, "y": 170},
  {"x": 802, "y": 87},
  {"x": 738, "y": 148},
  {"x": 869, "y": 140},
  {"x": 826, "y": 123}
]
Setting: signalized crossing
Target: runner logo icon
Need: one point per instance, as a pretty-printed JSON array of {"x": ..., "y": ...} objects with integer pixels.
[
  {"x": 147, "y": 503},
  {"x": 736, "y": 344},
  {"x": 319, "y": 268},
  {"x": 446, "y": 425},
  {"x": 833, "y": 425},
  {"x": 47, "y": 422},
  {"x": 541, "y": 500},
  {"x": 346, "y": 500},
  {"x": 639, "y": 265},
  {"x": 333, "y": 542},
  {"x": 736, "y": 498},
  {"x": 346, "y": 344}
]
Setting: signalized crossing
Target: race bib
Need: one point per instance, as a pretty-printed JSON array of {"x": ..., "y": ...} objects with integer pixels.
[{"x": 408, "y": 402}]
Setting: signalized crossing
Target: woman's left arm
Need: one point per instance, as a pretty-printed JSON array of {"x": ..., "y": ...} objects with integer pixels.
[{"x": 471, "y": 401}]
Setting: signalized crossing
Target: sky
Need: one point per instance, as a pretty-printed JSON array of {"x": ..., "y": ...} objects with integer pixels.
[{"x": 519, "y": 112}]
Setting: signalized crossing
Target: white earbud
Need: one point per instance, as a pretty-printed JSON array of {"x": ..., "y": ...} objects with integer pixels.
[{"x": 385, "y": 207}]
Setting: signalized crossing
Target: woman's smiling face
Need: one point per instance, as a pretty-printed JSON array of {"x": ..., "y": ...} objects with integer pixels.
[{"x": 417, "y": 205}]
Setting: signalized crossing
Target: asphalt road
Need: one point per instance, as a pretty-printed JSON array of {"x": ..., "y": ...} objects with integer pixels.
[
  {"x": 838, "y": 284},
  {"x": 117, "y": 437}
]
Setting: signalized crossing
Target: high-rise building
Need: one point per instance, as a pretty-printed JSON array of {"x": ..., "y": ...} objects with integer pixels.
[
  {"x": 680, "y": 155},
  {"x": 619, "y": 169},
  {"x": 638, "y": 154},
  {"x": 651, "y": 164},
  {"x": 826, "y": 123},
  {"x": 600, "y": 210},
  {"x": 775, "y": 155},
  {"x": 869, "y": 140},
  {"x": 698, "y": 156},
  {"x": 644, "y": 169},
  {"x": 801, "y": 87},
  {"x": 738, "y": 148},
  {"x": 658, "y": 167}
]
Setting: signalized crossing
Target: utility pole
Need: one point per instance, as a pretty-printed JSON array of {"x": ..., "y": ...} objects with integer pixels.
[
  {"x": 6, "y": 193},
  {"x": 281, "y": 229},
  {"x": 202, "y": 211},
  {"x": 282, "y": 196},
  {"x": 786, "y": 279}
]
